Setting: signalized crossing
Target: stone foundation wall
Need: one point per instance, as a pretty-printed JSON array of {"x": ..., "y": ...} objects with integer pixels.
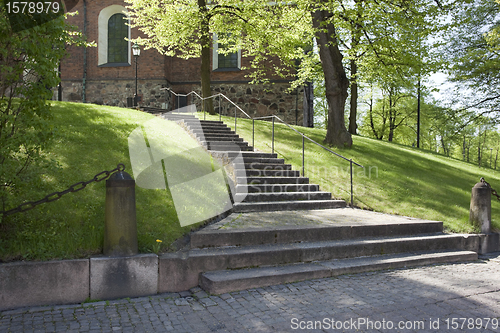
[
  {"x": 116, "y": 92},
  {"x": 256, "y": 100}
]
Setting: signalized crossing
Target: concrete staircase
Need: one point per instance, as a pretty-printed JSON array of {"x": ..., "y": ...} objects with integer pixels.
[
  {"x": 258, "y": 258},
  {"x": 264, "y": 181},
  {"x": 222, "y": 258}
]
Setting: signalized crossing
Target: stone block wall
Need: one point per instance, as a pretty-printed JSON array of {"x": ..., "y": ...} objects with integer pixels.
[
  {"x": 115, "y": 92},
  {"x": 255, "y": 100}
]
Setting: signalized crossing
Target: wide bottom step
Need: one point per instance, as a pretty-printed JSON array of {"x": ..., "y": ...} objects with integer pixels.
[
  {"x": 287, "y": 205},
  {"x": 220, "y": 282}
]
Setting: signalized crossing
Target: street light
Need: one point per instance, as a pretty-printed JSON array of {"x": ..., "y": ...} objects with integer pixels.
[{"x": 136, "y": 51}]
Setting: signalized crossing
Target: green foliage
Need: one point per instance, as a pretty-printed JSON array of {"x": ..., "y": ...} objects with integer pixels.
[
  {"x": 28, "y": 60},
  {"x": 474, "y": 60}
]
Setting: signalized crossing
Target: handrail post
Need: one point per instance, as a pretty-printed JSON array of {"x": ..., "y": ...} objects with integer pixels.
[
  {"x": 253, "y": 132},
  {"x": 352, "y": 205},
  {"x": 219, "y": 110},
  {"x": 273, "y": 138},
  {"x": 303, "y": 156},
  {"x": 235, "y": 119}
]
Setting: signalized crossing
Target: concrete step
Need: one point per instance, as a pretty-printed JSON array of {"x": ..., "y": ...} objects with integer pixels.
[
  {"x": 298, "y": 234},
  {"x": 263, "y": 160},
  {"x": 278, "y": 254},
  {"x": 220, "y": 282},
  {"x": 264, "y": 188},
  {"x": 208, "y": 121},
  {"x": 287, "y": 205},
  {"x": 209, "y": 129},
  {"x": 225, "y": 143},
  {"x": 255, "y": 155},
  {"x": 267, "y": 173},
  {"x": 272, "y": 180},
  {"x": 262, "y": 166},
  {"x": 222, "y": 137},
  {"x": 176, "y": 119},
  {"x": 209, "y": 132},
  {"x": 211, "y": 122},
  {"x": 283, "y": 196},
  {"x": 232, "y": 148}
]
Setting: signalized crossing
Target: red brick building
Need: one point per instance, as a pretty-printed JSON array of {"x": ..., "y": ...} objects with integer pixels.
[{"x": 106, "y": 74}]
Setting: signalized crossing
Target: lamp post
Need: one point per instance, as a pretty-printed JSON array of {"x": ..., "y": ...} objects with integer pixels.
[{"x": 136, "y": 51}]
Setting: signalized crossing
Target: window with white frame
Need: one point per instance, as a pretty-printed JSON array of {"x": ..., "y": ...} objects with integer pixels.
[
  {"x": 113, "y": 47},
  {"x": 225, "y": 62}
]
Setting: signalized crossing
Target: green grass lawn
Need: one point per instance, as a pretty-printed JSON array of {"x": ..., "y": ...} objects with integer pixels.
[
  {"x": 90, "y": 138},
  {"x": 396, "y": 179}
]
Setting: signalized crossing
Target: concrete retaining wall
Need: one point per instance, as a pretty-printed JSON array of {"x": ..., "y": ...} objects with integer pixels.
[
  {"x": 74, "y": 281},
  {"x": 44, "y": 283}
]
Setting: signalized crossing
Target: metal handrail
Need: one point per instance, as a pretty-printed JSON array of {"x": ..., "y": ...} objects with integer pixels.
[
  {"x": 204, "y": 98},
  {"x": 273, "y": 117}
]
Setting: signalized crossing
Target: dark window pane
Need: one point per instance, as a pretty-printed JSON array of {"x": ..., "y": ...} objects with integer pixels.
[
  {"x": 228, "y": 61},
  {"x": 117, "y": 45}
]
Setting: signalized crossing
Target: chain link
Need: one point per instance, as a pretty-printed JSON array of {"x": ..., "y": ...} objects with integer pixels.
[
  {"x": 57, "y": 195},
  {"x": 494, "y": 192}
]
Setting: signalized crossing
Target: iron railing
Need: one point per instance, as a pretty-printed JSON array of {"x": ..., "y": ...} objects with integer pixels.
[{"x": 273, "y": 118}]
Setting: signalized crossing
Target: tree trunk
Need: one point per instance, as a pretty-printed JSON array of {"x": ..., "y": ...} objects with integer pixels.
[
  {"x": 356, "y": 36},
  {"x": 392, "y": 118},
  {"x": 496, "y": 159},
  {"x": 354, "y": 98},
  {"x": 336, "y": 82},
  {"x": 205, "y": 40}
]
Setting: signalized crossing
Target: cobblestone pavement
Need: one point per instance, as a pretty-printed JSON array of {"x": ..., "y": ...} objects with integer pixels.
[{"x": 425, "y": 299}]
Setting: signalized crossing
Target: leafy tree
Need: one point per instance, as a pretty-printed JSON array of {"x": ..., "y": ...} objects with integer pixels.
[
  {"x": 184, "y": 28},
  {"x": 473, "y": 54},
  {"x": 28, "y": 59}
]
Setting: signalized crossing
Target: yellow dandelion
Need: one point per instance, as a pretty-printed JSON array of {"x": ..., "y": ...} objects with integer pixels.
[{"x": 158, "y": 240}]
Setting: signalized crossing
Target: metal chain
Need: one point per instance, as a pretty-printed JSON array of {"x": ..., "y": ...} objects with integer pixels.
[
  {"x": 57, "y": 195},
  {"x": 494, "y": 192}
]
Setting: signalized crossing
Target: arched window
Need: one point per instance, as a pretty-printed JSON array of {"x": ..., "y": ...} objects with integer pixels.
[
  {"x": 113, "y": 49},
  {"x": 117, "y": 45}
]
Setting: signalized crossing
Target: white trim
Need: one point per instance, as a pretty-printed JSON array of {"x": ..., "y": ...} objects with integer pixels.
[
  {"x": 102, "y": 23},
  {"x": 215, "y": 53}
]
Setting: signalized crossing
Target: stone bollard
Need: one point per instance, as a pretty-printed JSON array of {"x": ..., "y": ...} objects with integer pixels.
[
  {"x": 480, "y": 216},
  {"x": 120, "y": 229},
  {"x": 480, "y": 207}
]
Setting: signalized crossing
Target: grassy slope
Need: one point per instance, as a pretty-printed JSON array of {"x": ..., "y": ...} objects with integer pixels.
[
  {"x": 396, "y": 179},
  {"x": 89, "y": 139}
]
